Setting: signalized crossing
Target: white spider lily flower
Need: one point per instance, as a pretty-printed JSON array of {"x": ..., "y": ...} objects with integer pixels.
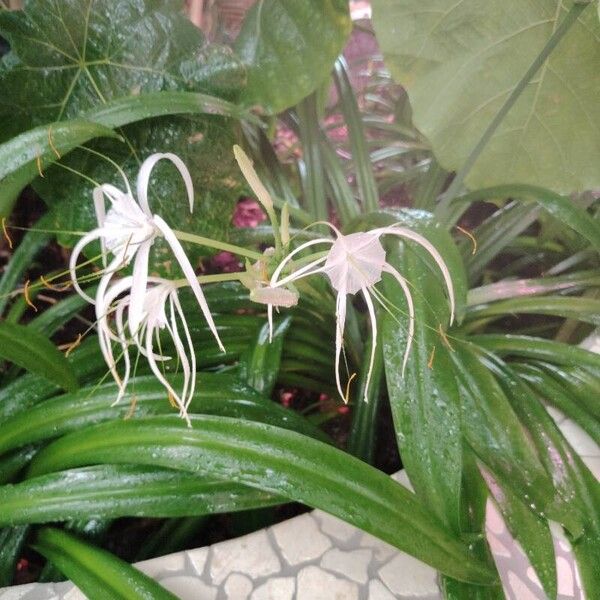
[
  {"x": 355, "y": 263},
  {"x": 127, "y": 231},
  {"x": 161, "y": 310}
]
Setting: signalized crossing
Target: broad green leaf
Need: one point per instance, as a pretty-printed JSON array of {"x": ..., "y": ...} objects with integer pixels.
[
  {"x": 577, "y": 502},
  {"x": 12, "y": 540},
  {"x": 22, "y": 257},
  {"x": 89, "y": 53},
  {"x": 460, "y": 61},
  {"x": 509, "y": 288},
  {"x": 582, "y": 309},
  {"x": 13, "y": 463},
  {"x": 260, "y": 366},
  {"x": 219, "y": 394},
  {"x": 288, "y": 47},
  {"x": 278, "y": 461},
  {"x": 474, "y": 498},
  {"x": 426, "y": 224},
  {"x": 537, "y": 348},
  {"x": 29, "y": 389},
  {"x": 34, "y": 352},
  {"x": 494, "y": 432},
  {"x": 26, "y": 156},
  {"x": 96, "y": 572},
  {"x": 424, "y": 399},
  {"x": 112, "y": 491},
  {"x": 550, "y": 390}
]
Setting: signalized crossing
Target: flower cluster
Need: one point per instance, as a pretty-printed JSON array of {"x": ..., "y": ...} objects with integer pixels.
[
  {"x": 143, "y": 305},
  {"x": 127, "y": 231}
]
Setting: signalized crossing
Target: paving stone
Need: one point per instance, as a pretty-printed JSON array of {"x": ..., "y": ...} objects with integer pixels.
[
  {"x": 277, "y": 588},
  {"x": 189, "y": 588},
  {"x": 300, "y": 539},
  {"x": 405, "y": 575},
  {"x": 250, "y": 555},
  {"x": 198, "y": 559},
  {"x": 354, "y": 564},
  {"x": 315, "y": 584}
]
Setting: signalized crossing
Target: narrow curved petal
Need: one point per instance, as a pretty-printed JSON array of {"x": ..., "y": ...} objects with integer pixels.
[
  {"x": 144, "y": 178},
  {"x": 189, "y": 273},
  {"x": 411, "y": 311},
  {"x": 180, "y": 349},
  {"x": 373, "y": 319},
  {"x": 124, "y": 351},
  {"x": 293, "y": 253},
  {"x": 270, "y": 319},
  {"x": 100, "y": 210},
  {"x": 139, "y": 284},
  {"x": 340, "y": 323},
  {"x": 425, "y": 243},
  {"x": 190, "y": 344},
  {"x": 304, "y": 271},
  {"x": 158, "y": 374},
  {"x": 77, "y": 250}
]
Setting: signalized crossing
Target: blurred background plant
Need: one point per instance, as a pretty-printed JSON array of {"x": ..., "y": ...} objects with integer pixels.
[{"x": 342, "y": 136}]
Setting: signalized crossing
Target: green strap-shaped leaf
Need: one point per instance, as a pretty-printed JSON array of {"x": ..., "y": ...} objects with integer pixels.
[
  {"x": 112, "y": 491},
  {"x": 25, "y": 157},
  {"x": 278, "y": 461},
  {"x": 96, "y": 572},
  {"x": 525, "y": 346},
  {"x": 424, "y": 399},
  {"x": 215, "y": 394},
  {"x": 551, "y": 391},
  {"x": 582, "y": 309},
  {"x": 34, "y": 352},
  {"x": 578, "y": 494},
  {"x": 260, "y": 366},
  {"x": 288, "y": 47},
  {"x": 561, "y": 207},
  {"x": 12, "y": 540}
]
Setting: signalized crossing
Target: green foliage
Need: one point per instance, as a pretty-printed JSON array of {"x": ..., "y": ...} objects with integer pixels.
[
  {"x": 460, "y": 63},
  {"x": 62, "y": 70},
  {"x": 96, "y": 572},
  {"x": 289, "y": 47},
  {"x": 34, "y": 352}
]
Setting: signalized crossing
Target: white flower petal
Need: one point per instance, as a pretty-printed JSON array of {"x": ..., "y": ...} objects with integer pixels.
[
  {"x": 144, "y": 178},
  {"x": 189, "y": 274},
  {"x": 425, "y": 243},
  {"x": 373, "y": 318},
  {"x": 340, "y": 323},
  {"x": 138, "y": 287},
  {"x": 411, "y": 311}
]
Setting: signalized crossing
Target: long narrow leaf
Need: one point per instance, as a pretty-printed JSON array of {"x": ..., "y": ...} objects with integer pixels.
[
  {"x": 278, "y": 461},
  {"x": 34, "y": 352},
  {"x": 112, "y": 491},
  {"x": 96, "y": 572}
]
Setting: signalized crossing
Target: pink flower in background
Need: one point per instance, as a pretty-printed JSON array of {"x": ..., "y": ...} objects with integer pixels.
[{"x": 248, "y": 213}]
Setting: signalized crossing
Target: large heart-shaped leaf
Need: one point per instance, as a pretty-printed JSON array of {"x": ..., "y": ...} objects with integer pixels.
[
  {"x": 88, "y": 53},
  {"x": 460, "y": 61},
  {"x": 289, "y": 47}
]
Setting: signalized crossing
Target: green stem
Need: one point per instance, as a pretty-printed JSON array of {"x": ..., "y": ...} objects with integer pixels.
[
  {"x": 210, "y": 243},
  {"x": 555, "y": 38}
]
